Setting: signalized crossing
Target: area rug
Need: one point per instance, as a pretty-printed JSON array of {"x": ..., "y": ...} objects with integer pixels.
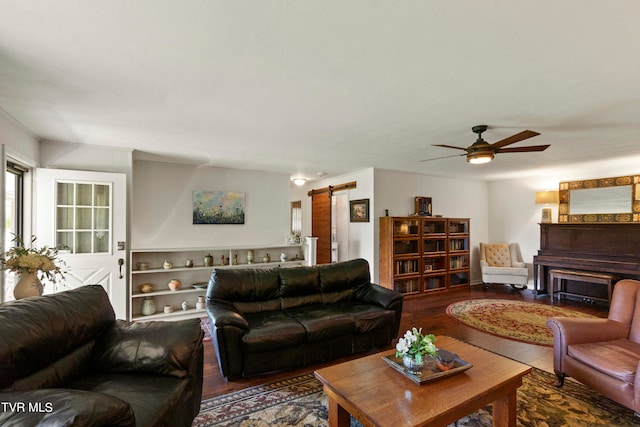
[
  {"x": 516, "y": 320},
  {"x": 206, "y": 328},
  {"x": 299, "y": 401}
]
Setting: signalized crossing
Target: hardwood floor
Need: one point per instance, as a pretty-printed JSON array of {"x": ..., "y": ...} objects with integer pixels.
[{"x": 428, "y": 313}]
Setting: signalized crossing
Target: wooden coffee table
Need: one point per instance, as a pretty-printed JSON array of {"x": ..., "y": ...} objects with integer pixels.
[{"x": 377, "y": 395}]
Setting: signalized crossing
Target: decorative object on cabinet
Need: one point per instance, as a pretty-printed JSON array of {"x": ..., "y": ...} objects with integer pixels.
[
  {"x": 142, "y": 265},
  {"x": 174, "y": 284},
  {"x": 188, "y": 263},
  {"x": 423, "y": 206},
  {"x": 148, "y": 306},
  {"x": 208, "y": 260},
  {"x": 146, "y": 287},
  {"x": 185, "y": 306},
  {"x": 200, "y": 302},
  {"x": 195, "y": 279},
  {"x": 283, "y": 257},
  {"x": 266, "y": 258},
  {"x": 546, "y": 198},
  {"x": 359, "y": 210},
  {"x": 250, "y": 256},
  {"x": 168, "y": 308},
  {"x": 167, "y": 265},
  {"x": 218, "y": 207},
  {"x": 420, "y": 255}
]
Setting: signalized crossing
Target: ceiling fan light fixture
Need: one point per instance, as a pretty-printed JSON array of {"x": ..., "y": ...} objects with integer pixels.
[{"x": 480, "y": 157}]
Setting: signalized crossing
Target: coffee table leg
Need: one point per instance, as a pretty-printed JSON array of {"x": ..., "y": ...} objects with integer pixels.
[
  {"x": 504, "y": 411},
  {"x": 338, "y": 416}
]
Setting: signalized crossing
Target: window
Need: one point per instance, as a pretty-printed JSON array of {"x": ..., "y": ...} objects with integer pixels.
[
  {"x": 296, "y": 218},
  {"x": 14, "y": 218}
]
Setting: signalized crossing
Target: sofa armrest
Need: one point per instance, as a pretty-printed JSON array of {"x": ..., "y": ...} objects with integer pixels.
[
  {"x": 376, "y": 294},
  {"x": 222, "y": 315},
  {"x": 157, "y": 347},
  {"x": 64, "y": 407},
  {"x": 570, "y": 330}
]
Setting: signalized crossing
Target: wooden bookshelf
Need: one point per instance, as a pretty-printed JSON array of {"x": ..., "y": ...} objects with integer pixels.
[{"x": 421, "y": 255}]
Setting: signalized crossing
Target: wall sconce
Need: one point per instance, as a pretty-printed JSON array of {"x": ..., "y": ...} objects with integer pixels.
[
  {"x": 546, "y": 198},
  {"x": 299, "y": 181}
]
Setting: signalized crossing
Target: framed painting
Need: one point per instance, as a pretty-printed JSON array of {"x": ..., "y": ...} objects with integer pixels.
[
  {"x": 423, "y": 206},
  {"x": 359, "y": 210},
  {"x": 218, "y": 207}
]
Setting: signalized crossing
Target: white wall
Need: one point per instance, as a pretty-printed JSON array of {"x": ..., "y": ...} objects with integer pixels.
[
  {"x": 451, "y": 198},
  {"x": 162, "y": 206},
  {"x": 18, "y": 142}
]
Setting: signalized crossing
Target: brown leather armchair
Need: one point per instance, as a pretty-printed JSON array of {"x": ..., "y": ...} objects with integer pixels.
[{"x": 603, "y": 354}]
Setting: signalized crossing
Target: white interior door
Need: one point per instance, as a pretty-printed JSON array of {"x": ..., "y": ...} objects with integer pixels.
[{"x": 86, "y": 213}]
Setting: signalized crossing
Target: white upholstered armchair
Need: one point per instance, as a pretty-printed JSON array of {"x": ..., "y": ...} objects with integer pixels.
[{"x": 502, "y": 263}]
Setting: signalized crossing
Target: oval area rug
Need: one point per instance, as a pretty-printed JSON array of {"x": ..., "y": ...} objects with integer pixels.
[{"x": 516, "y": 320}]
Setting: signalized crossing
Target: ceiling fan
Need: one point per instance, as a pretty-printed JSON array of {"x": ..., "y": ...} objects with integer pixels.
[{"x": 483, "y": 152}]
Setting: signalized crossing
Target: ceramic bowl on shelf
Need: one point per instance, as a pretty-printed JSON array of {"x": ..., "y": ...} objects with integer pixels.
[
  {"x": 174, "y": 284},
  {"x": 146, "y": 287},
  {"x": 142, "y": 265}
]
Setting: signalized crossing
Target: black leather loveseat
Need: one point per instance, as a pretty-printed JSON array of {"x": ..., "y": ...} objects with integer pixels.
[
  {"x": 66, "y": 361},
  {"x": 271, "y": 319}
]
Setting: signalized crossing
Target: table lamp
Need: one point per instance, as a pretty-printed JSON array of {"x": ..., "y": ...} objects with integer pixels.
[{"x": 546, "y": 198}]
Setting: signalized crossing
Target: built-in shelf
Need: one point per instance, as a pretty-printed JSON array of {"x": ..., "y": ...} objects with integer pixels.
[{"x": 234, "y": 257}]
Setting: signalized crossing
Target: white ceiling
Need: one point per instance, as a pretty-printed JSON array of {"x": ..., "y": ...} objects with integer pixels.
[{"x": 333, "y": 86}]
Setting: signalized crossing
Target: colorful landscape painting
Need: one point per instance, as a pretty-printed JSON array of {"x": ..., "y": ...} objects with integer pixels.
[{"x": 218, "y": 207}]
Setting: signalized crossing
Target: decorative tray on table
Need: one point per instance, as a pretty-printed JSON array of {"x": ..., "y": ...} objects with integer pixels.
[{"x": 429, "y": 372}]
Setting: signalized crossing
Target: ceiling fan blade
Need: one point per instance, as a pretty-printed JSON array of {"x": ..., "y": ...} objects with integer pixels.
[
  {"x": 448, "y": 146},
  {"x": 445, "y": 157},
  {"x": 523, "y": 149},
  {"x": 521, "y": 136}
]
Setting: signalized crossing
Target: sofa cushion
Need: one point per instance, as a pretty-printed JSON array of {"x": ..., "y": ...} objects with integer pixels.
[
  {"x": 271, "y": 330},
  {"x": 344, "y": 275},
  {"x": 149, "y": 347},
  {"x": 322, "y": 322},
  {"x": 156, "y": 400},
  {"x": 367, "y": 317},
  {"x": 616, "y": 358},
  {"x": 299, "y": 286},
  {"x": 248, "y": 290}
]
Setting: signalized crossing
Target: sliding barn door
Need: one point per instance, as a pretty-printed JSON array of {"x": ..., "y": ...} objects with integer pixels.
[{"x": 321, "y": 223}]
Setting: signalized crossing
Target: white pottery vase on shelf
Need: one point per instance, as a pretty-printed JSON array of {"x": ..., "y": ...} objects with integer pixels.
[{"x": 28, "y": 286}]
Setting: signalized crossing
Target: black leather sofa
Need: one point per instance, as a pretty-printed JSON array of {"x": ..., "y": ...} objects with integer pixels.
[
  {"x": 66, "y": 361},
  {"x": 270, "y": 319}
]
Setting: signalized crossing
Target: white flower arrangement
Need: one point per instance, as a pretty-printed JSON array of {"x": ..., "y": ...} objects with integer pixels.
[
  {"x": 416, "y": 345},
  {"x": 21, "y": 259}
]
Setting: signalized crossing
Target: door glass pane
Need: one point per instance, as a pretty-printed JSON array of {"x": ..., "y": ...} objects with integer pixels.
[
  {"x": 83, "y": 218},
  {"x": 64, "y": 220},
  {"x": 101, "y": 242},
  {"x": 101, "y": 218},
  {"x": 83, "y": 242},
  {"x": 101, "y": 195},
  {"x": 65, "y": 239},
  {"x": 65, "y": 193},
  {"x": 85, "y": 192}
]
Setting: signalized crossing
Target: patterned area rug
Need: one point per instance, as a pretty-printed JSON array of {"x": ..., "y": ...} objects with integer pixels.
[
  {"x": 299, "y": 401},
  {"x": 516, "y": 320},
  {"x": 206, "y": 328}
]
